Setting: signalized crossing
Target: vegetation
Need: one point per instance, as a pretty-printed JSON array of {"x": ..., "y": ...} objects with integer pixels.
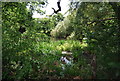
[{"x": 90, "y": 32}]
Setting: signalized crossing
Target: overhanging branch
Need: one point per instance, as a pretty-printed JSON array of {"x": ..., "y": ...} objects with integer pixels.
[{"x": 101, "y": 20}]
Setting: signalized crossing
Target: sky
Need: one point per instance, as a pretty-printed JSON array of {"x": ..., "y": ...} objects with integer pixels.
[{"x": 53, "y": 4}]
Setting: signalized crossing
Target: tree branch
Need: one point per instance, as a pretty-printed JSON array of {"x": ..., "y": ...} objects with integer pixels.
[
  {"x": 59, "y": 7},
  {"x": 101, "y": 20}
]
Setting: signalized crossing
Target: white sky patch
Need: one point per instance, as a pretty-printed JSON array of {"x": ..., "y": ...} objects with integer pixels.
[{"x": 53, "y": 4}]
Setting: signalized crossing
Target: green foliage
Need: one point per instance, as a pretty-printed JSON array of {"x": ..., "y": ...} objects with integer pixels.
[
  {"x": 97, "y": 23},
  {"x": 91, "y": 30},
  {"x": 64, "y": 28}
]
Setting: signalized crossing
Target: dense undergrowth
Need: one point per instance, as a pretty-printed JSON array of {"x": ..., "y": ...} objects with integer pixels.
[
  {"x": 43, "y": 61},
  {"x": 90, "y": 33}
]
